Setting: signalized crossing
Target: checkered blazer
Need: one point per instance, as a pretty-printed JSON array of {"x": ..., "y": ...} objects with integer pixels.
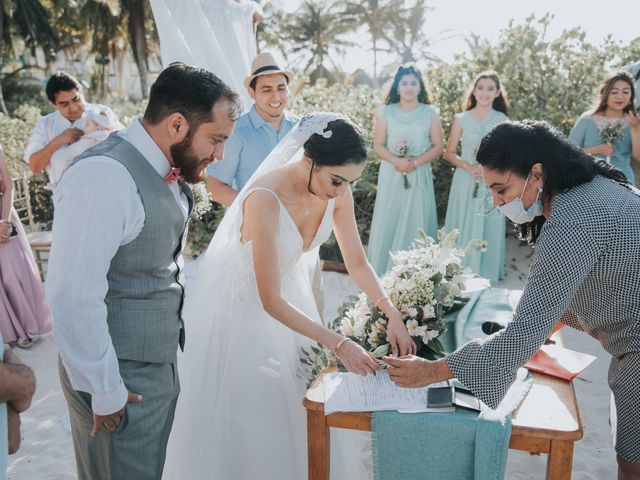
[{"x": 585, "y": 272}]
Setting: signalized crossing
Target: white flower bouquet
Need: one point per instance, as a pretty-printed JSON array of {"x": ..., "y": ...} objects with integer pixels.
[
  {"x": 201, "y": 200},
  {"x": 610, "y": 132},
  {"x": 425, "y": 283},
  {"x": 401, "y": 149}
]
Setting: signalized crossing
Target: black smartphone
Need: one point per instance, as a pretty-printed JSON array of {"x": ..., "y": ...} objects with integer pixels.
[
  {"x": 14, "y": 231},
  {"x": 439, "y": 397},
  {"x": 465, "y": 399}
]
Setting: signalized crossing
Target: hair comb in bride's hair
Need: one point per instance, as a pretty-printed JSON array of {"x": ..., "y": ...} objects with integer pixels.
[{"x": 316, "y": 123}]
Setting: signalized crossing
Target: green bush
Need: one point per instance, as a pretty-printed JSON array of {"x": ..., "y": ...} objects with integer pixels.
[{"x": 19, "y": 91}]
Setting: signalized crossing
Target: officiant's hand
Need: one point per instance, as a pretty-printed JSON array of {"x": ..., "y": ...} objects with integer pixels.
[
  {"x": 412, "y": 371},
  {"x": 356, "y": 359},
  {"x": 399, "y": 339},
  {"x": 111, "y": 422}
]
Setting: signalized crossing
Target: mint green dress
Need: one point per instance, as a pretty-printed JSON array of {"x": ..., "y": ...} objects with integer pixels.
[
  {"x": 585, "y": 134},
  {"x": 470, "y": 207},
  {"x": 399, "y": 212}
]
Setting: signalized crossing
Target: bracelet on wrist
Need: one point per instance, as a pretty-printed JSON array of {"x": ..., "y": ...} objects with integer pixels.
[
  {"x": 385, "y": 296},
  {"x": 339, "y": 345}
]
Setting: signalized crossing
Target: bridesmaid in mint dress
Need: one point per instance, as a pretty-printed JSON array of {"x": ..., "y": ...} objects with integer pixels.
[
  {"x": 616, "y": 106},
  {"x": 470, "y": 207},
  {"x": 407, "y": 137}
]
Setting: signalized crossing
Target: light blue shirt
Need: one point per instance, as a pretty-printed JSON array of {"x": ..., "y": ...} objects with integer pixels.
[
  {"x": 4, "y": 435},
  {"x": 252, "y": 140}
]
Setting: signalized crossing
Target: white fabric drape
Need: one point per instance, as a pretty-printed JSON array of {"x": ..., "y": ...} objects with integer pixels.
[{"x": 213, "y": 34}]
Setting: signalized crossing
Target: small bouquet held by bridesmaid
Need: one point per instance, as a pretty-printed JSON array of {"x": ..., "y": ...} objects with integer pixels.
[
  {"x": 424, "y": 284},
  {"x": 401, "y": 149},
  {"x": 610, "y": 132}
]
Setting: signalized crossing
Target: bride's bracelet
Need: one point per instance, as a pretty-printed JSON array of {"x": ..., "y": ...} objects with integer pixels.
[
  {"x": 385, "y": 296},
  {"x": 339, "y": 345}
]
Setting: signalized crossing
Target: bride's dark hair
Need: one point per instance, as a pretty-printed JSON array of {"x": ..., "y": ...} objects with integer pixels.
[{"x": 347, "y": 145}]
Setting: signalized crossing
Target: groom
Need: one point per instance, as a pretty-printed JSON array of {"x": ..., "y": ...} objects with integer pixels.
[{"x": 115, "y": 282}]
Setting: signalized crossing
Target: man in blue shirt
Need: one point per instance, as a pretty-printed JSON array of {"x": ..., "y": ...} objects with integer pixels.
[{"x": 256, "y": 132}]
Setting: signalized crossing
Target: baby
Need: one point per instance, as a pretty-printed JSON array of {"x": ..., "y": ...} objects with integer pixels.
[{"x": 98, "y": 125}]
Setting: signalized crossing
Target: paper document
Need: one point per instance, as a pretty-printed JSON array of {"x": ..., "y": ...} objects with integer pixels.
[{"x": 347, "y": 392}]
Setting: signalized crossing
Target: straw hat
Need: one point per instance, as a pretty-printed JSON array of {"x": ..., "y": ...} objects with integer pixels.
[{"x": 264, "y": 64}]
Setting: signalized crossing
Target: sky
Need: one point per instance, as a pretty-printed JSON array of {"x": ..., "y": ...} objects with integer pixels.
[{"x": 455, "y": 19}]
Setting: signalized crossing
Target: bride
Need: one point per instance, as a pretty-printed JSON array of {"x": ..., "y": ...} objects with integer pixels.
[{"x": 251, "y": 308}]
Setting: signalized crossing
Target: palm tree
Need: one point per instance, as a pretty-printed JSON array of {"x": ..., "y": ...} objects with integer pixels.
[
  {"x": 408, "y": 38},
  {"x": 109, "y": 26},
  {"x": 102, "y": 21},
  {"x": 135, "y": 12},
  {"x": 30, "y": 21},
  {"x": 268, "y": 32},
  {"x": 317, "y": 30},
  {"x": 376, "y": 15}
]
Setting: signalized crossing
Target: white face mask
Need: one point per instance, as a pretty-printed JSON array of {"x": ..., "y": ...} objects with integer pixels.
[{"x": 516, "y": 212}]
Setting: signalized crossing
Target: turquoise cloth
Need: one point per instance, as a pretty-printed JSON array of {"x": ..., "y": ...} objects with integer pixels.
[
  {"x": 398, "y": 213},
  {"x": 4, "y": 435},
  {"x": 470, "y": 207},
  {"x": 458, "y": 445},
  {"x": 494, "y": 304},
  {"x": 585, "y": 134}
]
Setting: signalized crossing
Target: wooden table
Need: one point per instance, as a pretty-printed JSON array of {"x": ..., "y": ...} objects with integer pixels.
[{"x": 547, "y": 421}]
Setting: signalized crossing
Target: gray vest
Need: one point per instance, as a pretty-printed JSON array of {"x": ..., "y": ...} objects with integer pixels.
[{"x": 145, "y": 296}]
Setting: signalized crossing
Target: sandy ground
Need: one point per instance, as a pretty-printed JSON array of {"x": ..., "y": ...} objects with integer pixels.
[{"x": 47, "y": 451}]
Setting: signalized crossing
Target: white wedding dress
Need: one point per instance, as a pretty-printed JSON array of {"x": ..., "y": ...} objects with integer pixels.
[{"x": 240, "y": 413}]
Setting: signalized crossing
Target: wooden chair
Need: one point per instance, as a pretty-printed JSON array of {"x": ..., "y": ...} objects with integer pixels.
[{"x": 40, "y": 241}]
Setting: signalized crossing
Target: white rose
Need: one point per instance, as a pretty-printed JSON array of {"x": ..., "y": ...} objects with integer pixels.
[
  {"x": 428, "y": 312},
  {"x": 413, "y": 328},
  {"x": 429, "y": 335}
]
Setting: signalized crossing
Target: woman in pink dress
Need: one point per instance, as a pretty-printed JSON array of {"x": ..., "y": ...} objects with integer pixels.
[{"x": 23, "y": 309}]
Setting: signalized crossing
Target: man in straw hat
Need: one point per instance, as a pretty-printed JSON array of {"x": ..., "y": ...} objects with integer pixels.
[{"x": 257, "y": 132}]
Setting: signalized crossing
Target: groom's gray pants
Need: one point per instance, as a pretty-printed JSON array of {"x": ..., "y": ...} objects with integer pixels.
[{"x": 136, "y": 450}]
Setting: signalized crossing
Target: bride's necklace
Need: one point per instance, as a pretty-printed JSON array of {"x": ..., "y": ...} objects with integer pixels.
[{"x": 301, "y": 202}]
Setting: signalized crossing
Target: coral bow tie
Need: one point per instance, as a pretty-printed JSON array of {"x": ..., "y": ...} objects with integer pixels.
[{"x": 172, "y": 176}]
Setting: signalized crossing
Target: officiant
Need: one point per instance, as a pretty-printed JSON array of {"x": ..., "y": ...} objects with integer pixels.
[{"x": 583, "y": 217}]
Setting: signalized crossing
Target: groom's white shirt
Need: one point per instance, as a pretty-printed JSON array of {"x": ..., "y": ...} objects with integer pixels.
[{"x": 97, "y": 210}]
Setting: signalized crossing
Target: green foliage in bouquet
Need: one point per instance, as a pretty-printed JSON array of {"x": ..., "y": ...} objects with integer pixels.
[
  {"x": 426, "y": 282},
  {"x": 611, "y": 132}
]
